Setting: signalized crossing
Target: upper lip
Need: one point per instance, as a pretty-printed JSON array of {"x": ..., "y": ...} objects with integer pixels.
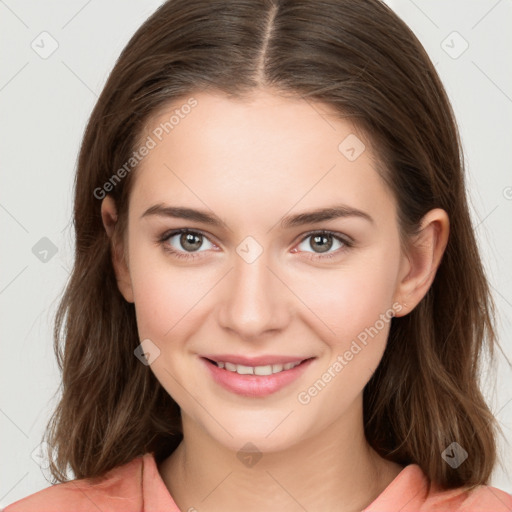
[{"x": 254, "y": 361}]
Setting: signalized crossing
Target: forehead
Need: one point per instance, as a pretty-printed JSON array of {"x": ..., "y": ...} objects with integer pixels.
[
  {"x": 263, "y": 149},
  {"x": 261, "y": 121}
]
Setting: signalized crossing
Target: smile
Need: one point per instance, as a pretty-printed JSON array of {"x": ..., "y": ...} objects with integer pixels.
[
  {"x": 257, "y": 380},
  {"x": 268, "y": 369}
]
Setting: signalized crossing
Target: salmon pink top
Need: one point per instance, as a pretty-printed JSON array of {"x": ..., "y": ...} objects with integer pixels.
[{"x": 138, "y": 487}]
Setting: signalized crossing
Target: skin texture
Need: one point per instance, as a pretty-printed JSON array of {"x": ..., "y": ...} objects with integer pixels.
[{"x": 251, "y": 163}]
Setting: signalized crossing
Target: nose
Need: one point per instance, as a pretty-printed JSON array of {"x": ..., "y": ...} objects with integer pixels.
[{"x": 255, "y": 301}]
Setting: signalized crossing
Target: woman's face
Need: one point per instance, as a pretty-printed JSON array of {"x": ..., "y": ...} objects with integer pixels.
[{"x": 259, "y": 284}]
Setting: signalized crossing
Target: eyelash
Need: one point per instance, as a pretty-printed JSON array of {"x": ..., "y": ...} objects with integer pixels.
[{"x": 347, "y": 243}]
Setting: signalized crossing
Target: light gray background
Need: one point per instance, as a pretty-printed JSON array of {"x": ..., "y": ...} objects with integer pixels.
[{"x": 45, "y": 103}]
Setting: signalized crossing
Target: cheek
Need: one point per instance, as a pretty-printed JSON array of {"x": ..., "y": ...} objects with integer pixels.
[
  {"x": 357, "y": 306},
  {"x": 349, "y": 299},
  {"x": 163, "y": 293}
]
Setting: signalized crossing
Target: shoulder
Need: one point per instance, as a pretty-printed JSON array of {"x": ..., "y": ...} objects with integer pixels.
[
  {"x": 120, "y": 489},
  {"x": 411, "y": 491},
  {"x": 483, "y": 498}
]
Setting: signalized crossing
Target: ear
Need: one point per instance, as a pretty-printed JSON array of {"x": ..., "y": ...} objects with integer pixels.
[
  {"x": 109, "y": 217},
  {"x": 420, "y": 263}
]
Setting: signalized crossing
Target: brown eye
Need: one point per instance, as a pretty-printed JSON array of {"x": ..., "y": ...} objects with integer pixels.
[
  {"x": 319, "y": 243},
  {"x": 190, "y": 241},
  {"x": 185, "y": 241}
]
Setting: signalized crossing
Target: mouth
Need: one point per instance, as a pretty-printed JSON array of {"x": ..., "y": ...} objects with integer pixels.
[
  {"x": 256, "y": 379},
  {"x": 268, "y": 369}
]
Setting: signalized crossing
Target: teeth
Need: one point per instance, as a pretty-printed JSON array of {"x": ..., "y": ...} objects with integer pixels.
[
  {"x": 244, "y": 370},
  {"x": 257, "y": 370},
  {"x": 231, "y": 367}
]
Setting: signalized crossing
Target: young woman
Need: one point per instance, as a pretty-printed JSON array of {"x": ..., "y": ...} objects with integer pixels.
[{"x": 277, "y": 301}]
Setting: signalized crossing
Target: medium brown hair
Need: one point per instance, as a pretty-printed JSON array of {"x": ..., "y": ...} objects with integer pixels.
[{"x": 359, "y": 58}]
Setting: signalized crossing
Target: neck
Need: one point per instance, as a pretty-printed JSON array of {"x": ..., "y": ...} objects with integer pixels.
[{"x": 334, "y": 471}]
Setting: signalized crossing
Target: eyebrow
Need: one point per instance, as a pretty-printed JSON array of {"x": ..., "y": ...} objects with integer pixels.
[{"x": 311, "y": 217}]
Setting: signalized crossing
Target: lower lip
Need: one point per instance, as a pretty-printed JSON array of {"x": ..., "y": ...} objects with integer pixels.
[{"x": 255, "y": 385}]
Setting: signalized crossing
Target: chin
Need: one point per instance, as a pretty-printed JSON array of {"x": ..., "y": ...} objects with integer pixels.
[
  {"x": 257, "y": 442},
  {"x": 268, "y": 434}
]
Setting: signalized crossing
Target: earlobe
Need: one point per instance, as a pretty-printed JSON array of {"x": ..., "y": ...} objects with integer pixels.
[
  {"x": 109, "y": 217},
  {"x": 425, "y": 251}
]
